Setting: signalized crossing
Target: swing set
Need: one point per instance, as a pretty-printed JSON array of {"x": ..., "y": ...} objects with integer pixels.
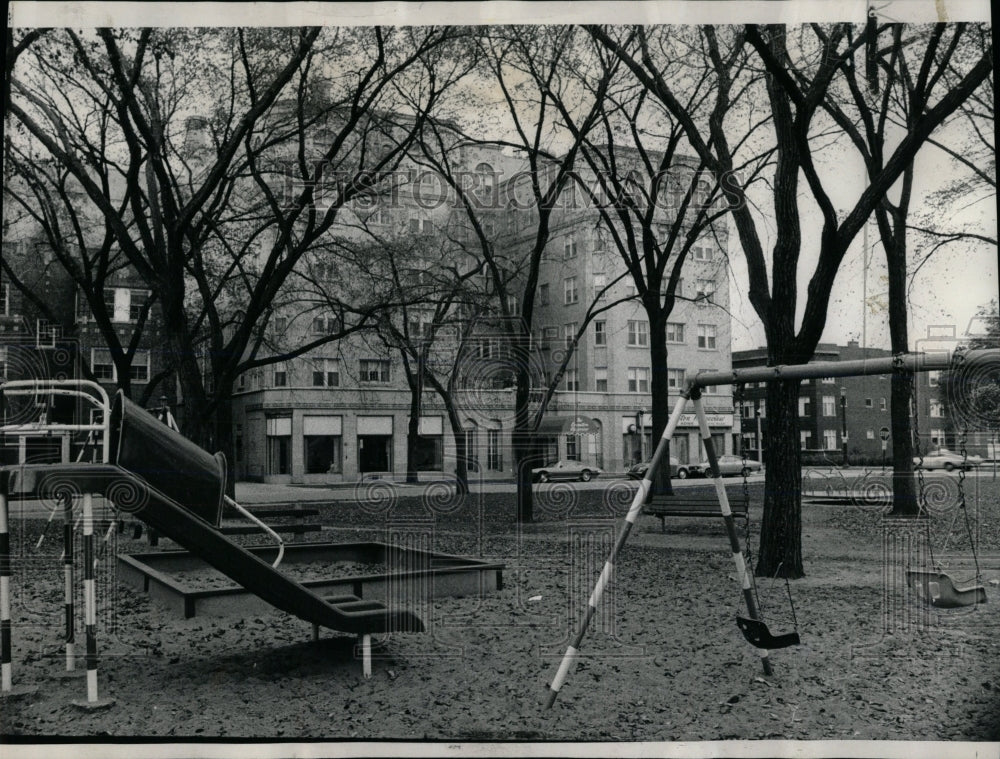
[{"x": 939, "y": 590}]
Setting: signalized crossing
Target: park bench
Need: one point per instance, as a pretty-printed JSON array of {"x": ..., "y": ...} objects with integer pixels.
[{"x": 664, "y": 506}]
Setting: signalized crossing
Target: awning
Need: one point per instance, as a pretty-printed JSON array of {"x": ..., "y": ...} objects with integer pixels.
[{"x": 569, "y": 425}]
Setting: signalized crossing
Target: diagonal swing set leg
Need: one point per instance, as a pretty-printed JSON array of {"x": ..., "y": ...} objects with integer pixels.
[
  {"x": 727, "y": 515},
  {"x": 633, "y": 513},
  {"x": 602, "y": 582}
]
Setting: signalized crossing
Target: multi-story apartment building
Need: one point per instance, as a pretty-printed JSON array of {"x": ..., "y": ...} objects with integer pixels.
[
  {"x": 859, "y": 405},
  {"x": 344, "y": 409}
]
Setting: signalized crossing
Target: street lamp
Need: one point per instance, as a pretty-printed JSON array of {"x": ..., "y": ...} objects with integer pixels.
[{"x": 843, "y": 421}]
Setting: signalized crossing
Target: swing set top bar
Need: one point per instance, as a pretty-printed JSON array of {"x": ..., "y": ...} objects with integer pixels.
[{"x": 910, "y": 362}]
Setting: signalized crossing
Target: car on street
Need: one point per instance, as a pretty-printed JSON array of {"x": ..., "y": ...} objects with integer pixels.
[
  {"x": 942, "y": 458},
  {"x": 728, "y": 465},
  {"x": 564, "y": 470},
  {"x": 678, "y": 471}
]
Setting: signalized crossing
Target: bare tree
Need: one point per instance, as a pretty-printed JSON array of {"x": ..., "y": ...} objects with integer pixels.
[
  {"x": 220, "y": 204},
  {"x": 802, "y": 67}
]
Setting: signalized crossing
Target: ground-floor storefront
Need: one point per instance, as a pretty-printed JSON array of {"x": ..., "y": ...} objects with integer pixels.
[{"x": 288, "y": 436}]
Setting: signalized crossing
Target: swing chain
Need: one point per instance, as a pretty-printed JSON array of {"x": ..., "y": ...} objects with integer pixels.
[
  {"x": 957, "y": 359},
  {"x": 738, "y": 398}
]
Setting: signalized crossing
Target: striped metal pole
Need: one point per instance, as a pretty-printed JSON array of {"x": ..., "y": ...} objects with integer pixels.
[
  {"x": 609, "y": 567},
  {"x": 90, "y": 608},
  {"x": 366, "y": 655},
  {"x": 7, "y": 688},
  {"x": 734, "y": 539},
  {"x": 68, "y": 581}
]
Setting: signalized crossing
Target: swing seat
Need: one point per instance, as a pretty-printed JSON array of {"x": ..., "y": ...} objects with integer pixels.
[
  {"x": 937, "y": 589},
  {"x": 757, "y": 635}
]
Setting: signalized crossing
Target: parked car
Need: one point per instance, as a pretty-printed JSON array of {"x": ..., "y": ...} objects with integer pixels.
[
  {"x": 942, "y": 458},
  {"x": 728, "y": 464},
  {"x": 564, "y": 470},
  {"x": 677, "y": 470}
]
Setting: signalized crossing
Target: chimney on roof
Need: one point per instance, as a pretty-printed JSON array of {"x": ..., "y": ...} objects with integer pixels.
[{"x": 853, "y": 344}]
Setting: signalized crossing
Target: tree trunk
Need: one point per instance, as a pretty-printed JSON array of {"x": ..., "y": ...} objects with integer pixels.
[
  {"x": 526, "y": 457},
  {"x": 413, "y": 437},
  {"x": 904, "y": 494},
  {"x": 661, "y": 397},
  {"x": 780, "y": 551},
  {"x": 461, "y": 457}
]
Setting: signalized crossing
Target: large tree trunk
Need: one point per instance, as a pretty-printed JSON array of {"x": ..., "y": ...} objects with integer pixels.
[
  {"x": 661, "y": 397},
  {"x": 904, "y": 495},
  {"x": 413, "y": 436},
  {"x": 780, "y": 551}
]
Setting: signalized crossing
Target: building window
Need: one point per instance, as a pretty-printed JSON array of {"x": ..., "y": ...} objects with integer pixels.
[
  {"x": 280, "y": 323},
  {"x": 600, "y": 282},
  {"x": 326, "y": 373},
  {"x": 5, "y": 300},
  {"x": 137, "y": 301},
  {"x": 600, "y": 333},
  {"x": 936, "y": 409},
  {"x": 118, "y": 302},
  {"x": 279, "y": 445},
  {"x": 601, "y": 380},
  {"x": 569, "y": 333},
  {"x": 638, "y": 379},
  {"x": 830, "y": 440},
  {"x": 829, "y": 405},
  {"x": 710, "y": 390},
  {"x": 882, "y": 404},
  {"x": 675, "y": 378},
  {"x": 421, "y": 226},
  {"x": 325, "y": 325},
  {"x": 804, "y": 438},
  {"x": 803, "y": 406},
  {"x": 763, "y": 409},
  {"x": 139, "y": 369},
  {"x": 638, "y": 333},
  {"x": 374, "y": 370},
  {"x": 702, "y": 252},
  {"x": 572, "y": 380},
  {"x": 570, "y": 293},
  {"x": 869, "y": 434},
  {"x": 569, "y": 247},
  {"x": 280, "y": 376},
  {"x": 101, "y": 364},
  {"x": 322, "y": 444},
  {"x": 705, "y": 289},
  {"x": 829, "y": 380},
  {"x": 572, "y": 448},
  {"x": 512, "y": 304},
  {"x": 630, "y": 289},
  {"x": 937, "y": 437},
  {"x": 706, "y": 336},
  {"x": 494, "y": 457},
  {"x": 675, "y": 332},
  {"x": 543, "y": 295},
  {"x": 868, "y": 403},
  {"x": 933, "y": 378}
]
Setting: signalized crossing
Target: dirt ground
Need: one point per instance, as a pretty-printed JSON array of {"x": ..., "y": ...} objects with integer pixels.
[{"x": 663, "y": 660}]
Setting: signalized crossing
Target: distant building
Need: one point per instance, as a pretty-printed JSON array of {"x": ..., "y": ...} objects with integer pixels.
[{"x": 865, "y": 403}]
